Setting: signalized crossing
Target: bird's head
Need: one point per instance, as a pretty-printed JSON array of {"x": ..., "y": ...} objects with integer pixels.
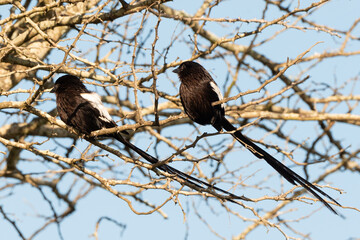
[
  {"x": 191, "y": 71},
  {"x": 188, "y": 67},
  {"x": 68, "y": 82}
]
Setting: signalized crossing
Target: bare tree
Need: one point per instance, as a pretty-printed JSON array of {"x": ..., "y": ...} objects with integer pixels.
[{"x": 125, "y": 51}]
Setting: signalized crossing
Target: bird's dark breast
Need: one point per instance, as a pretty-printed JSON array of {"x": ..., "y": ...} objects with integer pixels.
[{"x": 196, "y": 103}]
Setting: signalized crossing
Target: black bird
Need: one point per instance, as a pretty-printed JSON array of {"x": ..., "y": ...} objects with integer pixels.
[
  {"x": 84, "y": 111},
  {"x": 198, "y": 91}
]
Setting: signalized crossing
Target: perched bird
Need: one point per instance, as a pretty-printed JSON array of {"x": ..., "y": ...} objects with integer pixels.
[
  {"x": 198, "y": 91},
  {"x": 84, "y": 111}
]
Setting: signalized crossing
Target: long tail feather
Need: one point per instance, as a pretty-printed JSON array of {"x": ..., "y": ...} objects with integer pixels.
[
  {"x": 187, "y": 178},
  {"x": 287, "y": 173}
]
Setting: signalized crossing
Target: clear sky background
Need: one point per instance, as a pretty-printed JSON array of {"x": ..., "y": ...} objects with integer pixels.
[{"x": 339, "y": 14}]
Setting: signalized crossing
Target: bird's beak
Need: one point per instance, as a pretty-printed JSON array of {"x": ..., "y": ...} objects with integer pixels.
[{"x": 176, "y": 70}]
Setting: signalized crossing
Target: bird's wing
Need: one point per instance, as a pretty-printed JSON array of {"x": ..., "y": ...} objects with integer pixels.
[
  {"x": 95, "y": 101},
  {"x": 216, "y": 89}
]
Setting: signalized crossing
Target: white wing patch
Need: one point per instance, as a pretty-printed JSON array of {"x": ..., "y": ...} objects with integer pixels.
[
  {"x": 218, "y": 92},
  {"x": 95, "y": 101}
]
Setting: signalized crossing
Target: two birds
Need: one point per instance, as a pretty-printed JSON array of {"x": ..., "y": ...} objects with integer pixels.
[{"x": 84, "y": 111}]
